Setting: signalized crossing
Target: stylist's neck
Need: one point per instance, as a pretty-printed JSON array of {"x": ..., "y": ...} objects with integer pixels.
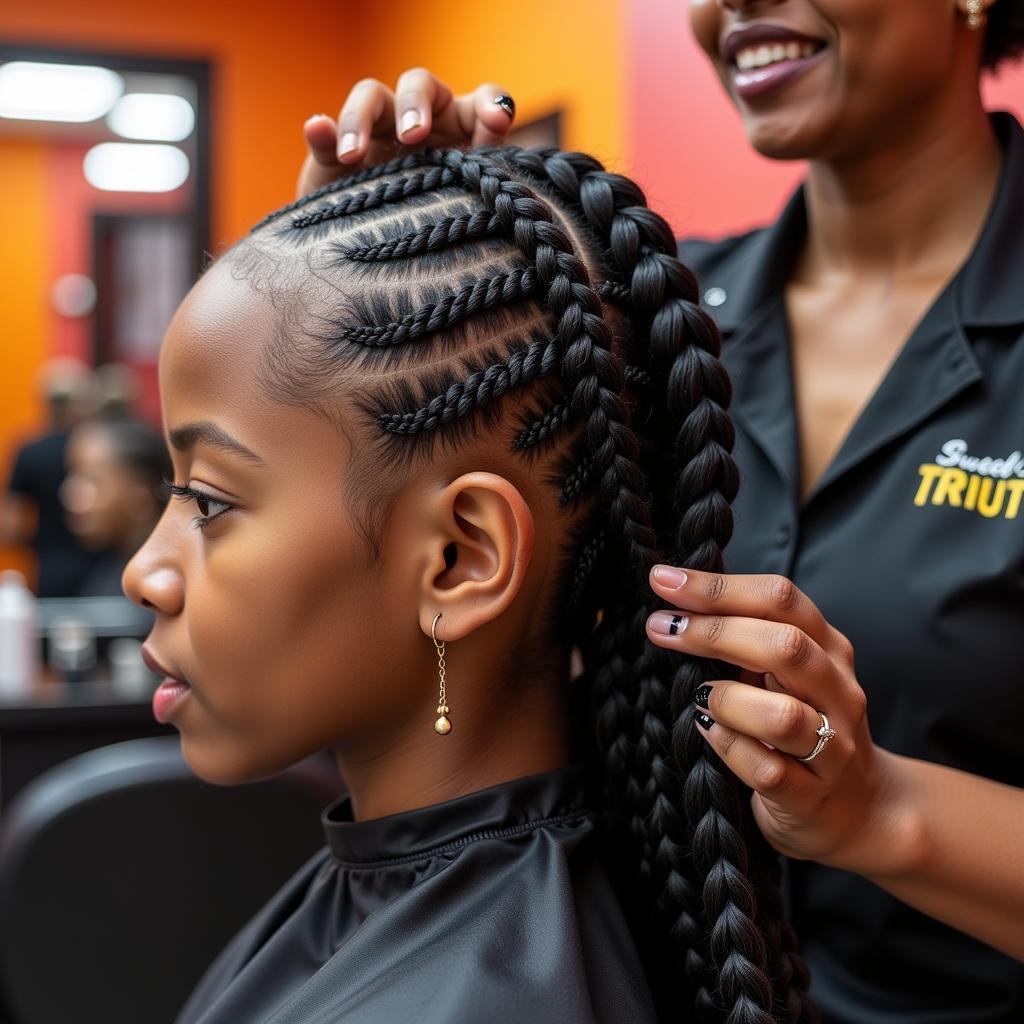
[
  {"x": 910, "y": 206},
  {"x": 525, "y": 734}
]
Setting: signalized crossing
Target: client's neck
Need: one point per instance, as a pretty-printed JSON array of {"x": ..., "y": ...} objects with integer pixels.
[{"x": 416, "y": 767}]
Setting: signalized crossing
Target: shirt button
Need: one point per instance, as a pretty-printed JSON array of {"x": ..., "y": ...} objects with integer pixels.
[
  {"x": 782, "y": 537},
  {"x": 715, "y": 296}
]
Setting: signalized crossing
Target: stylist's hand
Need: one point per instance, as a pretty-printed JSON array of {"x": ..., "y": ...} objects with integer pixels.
[
  {"x": 837, "y": 809},
  {"x": 376, "y": 123}
]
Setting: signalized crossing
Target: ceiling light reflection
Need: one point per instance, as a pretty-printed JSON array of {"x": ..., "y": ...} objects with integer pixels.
[
  {"x": 133, "y": 167},
  {"x": 30, "y": 91},
  {"x": 160, "y": 117}
]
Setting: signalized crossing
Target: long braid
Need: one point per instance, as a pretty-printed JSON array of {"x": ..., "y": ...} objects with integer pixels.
[
  {"x": 657, "y": 811},
  {"x": 685, "y": 340},
  {"x": 681, "y": 812}
]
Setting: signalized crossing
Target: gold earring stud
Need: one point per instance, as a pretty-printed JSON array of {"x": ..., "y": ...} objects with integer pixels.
[
  {"x": 976, "y": 16},
  {"x": 443, "y": 725}
]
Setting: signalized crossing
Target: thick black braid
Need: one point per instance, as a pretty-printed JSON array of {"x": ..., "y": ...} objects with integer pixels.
[
  {"x": 444, "y": 234},
  {"x": 404, "y": 163},
  {"x": 685, "y": 340},
  {"x": 394, "y": 191},
  {"x": 447, "y": 311},
  {"x": 657, "y": 812},
  {"x": 707, "y": 482},
  {"x": 479, "y": 389}
]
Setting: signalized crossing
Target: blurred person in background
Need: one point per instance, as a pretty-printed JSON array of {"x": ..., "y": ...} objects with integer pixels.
[
  {"x": 116, "y": 388},
  {"x": 875, "y": 333},
  {"x": 32, "y": 514},
  {"x": 113, "y": 495}
]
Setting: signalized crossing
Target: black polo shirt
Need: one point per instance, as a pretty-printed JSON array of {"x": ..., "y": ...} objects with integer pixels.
[{"x": 912, "y": 544}]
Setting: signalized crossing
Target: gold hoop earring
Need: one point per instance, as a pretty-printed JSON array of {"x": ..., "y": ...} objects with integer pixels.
[
  {"x": 443, "y": 725},
  {"x": 976, "y": 16}
]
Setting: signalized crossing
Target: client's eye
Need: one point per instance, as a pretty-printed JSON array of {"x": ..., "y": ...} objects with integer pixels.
[{"x": 203, "y": 502}]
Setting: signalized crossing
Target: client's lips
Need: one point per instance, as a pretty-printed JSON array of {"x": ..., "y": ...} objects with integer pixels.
[{"x": 154, "y": 666}]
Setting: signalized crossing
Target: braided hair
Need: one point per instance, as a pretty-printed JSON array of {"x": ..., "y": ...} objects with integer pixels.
[{"x": 463, "y": 284}]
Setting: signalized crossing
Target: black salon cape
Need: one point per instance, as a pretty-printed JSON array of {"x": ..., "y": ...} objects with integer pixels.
[{"x": 491, "y": 908}]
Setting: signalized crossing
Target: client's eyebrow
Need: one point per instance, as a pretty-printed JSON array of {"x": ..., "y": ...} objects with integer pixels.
[{"x": 184, "y": 438}]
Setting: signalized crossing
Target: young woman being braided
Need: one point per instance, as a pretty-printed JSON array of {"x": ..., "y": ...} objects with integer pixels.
[{"x": 440, "y": 420}]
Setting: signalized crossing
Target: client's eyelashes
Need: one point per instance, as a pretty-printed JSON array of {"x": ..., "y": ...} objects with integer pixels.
[{"x": 203, "y": 502}]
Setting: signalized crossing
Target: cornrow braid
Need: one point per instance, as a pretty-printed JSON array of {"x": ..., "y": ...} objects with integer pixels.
[
  {"x": 447, "y": 232},
  {"x": 404, "y": 163},
  {"x": 479, "y": 389},
  {"x": 577, "y": 479},
  {"x": 545, "y": 426},
  {"x": 393, "y": 191},
  {"x": 447, "y": 311},
  {"x": 559, "y": 415}
]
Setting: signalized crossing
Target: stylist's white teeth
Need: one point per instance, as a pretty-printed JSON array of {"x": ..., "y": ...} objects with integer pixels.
[{"x": 761, "y": 56}]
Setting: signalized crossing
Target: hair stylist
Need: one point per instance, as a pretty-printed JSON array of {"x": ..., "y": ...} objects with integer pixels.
[{"x": 874, "y": 335}]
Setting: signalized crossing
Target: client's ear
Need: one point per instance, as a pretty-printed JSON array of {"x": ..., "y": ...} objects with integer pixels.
[{"x": 478, "y": 549}]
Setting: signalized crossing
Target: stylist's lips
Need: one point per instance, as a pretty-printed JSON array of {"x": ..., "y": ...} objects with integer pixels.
[
  {"x": 763, "y": 57},
  {"x": 170, "y": 693}
]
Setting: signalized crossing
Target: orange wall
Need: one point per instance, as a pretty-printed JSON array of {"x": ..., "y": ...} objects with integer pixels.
[
  {"x": 547, "y": 53},
  {"x": 274, "y": 65},
  {"x": 23, "y": 263}
]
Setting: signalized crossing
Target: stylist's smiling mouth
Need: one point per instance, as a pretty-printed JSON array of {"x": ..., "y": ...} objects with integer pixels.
[{"x": 763, "y": 57}]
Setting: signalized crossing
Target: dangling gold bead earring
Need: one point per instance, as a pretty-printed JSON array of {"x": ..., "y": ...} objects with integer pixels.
[
  {"x": 976, "y": 16},
  {"x": 443, "y": 725}
]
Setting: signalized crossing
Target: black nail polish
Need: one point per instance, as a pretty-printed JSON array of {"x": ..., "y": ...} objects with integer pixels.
[
  {"x": 702, "y": 696},
  {"x": 704, "y": 721},
  {"x": 673, "y": 627},
  {"x": 506, "y": 103}
]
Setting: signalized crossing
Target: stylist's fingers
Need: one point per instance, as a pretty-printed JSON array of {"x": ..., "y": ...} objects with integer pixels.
[
  {"x": 480, "y": 118},
  {"x": 783, "y": 783},
  {"x": 493, "y": 111},
  {"x": 321, "y": 163},
  {"x": 773, "y": 598},
  {"x": 368, "y": 113},
  {"x": 782, "y": 649},
  {"x": 422, "y": 102},
  {"x": 778, "y": 720}
]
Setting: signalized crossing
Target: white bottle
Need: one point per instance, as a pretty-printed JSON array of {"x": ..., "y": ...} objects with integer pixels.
[{"x": 19, "y": 636}]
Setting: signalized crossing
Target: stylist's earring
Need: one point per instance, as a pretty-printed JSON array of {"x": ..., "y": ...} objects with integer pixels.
[
  {"x": 443, "y": 725},
  {"x": 976, "y": 17}
]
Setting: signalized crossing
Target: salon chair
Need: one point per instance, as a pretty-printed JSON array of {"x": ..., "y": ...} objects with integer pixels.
[{"x": 122, "y": 875}]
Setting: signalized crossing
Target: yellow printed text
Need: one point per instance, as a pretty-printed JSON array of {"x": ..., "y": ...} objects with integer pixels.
[{"x": 970, "y": 491}]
